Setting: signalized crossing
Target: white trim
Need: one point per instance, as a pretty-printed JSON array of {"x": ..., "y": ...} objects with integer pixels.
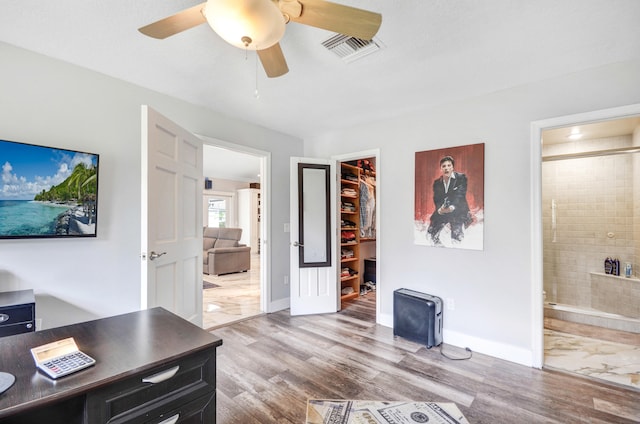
[
  {"x": 367, "y": 154},
  {"x": 278, "y": 305},
  {"x": 537, "y": 312},
  {"x": 265, "y": 232},
  {"x": 265, "y": 213},
  {"x": 385, "y": 319},
  {"x": 499, "y": 350},
  {"x": 504, "y": 351}
]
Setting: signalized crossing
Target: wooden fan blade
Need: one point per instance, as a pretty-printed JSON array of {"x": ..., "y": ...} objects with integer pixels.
[
  {"x": 338, "y": 18},
  {"x": 174, "y": 24},
  {"x": 273, "y": 61}
]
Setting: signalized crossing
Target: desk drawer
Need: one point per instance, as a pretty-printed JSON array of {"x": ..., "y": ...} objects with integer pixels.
[
  {"x": 179, "y": 411},
  {"x": 154, "y": 392}
]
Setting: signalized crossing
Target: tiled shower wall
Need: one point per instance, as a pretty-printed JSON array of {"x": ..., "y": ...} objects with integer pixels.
[{"x": 596, "y": 205}]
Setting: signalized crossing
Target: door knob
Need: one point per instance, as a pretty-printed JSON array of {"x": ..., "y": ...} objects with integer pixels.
[
  {"x": 296, "y": 244},
  {"x": 153, "y": 255}
]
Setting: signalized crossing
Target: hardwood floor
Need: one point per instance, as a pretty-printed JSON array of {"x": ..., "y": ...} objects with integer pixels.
[{"x": 270, "y": 365}]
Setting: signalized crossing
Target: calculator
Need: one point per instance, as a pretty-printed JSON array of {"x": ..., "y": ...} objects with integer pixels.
[{"x": 61, "y": 358}]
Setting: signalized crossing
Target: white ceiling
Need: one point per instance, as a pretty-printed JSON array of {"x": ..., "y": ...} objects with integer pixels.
[
  {"x": 436, "y": 51},
  {"x": 230, "y": 165}
]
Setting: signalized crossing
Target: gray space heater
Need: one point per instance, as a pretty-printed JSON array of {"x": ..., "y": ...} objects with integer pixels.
[{"x": 417, "y": 317}]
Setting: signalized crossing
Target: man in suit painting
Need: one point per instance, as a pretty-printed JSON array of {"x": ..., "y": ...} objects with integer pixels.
[{"x": 450, "y": 198}]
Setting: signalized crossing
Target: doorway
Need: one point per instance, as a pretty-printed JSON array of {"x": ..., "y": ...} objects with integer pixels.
[
  {"x": 580, "y": 161},
  {"x": 587, "y": 186},
  {"x": 234, "y": 197},
  {"x": 359, "y": 230}
]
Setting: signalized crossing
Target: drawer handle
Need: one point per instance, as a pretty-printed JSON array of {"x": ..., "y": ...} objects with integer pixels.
[
  {"x": 4, "y": 317},
  {"x": 172, "y": 420},
  {"x": 161, "y": 376}
]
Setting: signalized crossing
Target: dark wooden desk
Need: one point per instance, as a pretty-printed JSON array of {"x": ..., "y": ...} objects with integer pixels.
[{"x": 127, "y": 348}]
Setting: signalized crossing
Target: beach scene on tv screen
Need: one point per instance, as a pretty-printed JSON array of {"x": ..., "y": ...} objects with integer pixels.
[{"x": 47, "y": 192}]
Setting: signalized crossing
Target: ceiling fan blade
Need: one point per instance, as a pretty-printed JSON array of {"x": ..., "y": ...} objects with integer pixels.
[
  {"x": 338, "y": 18},
  {"x": 273, "y": 61},
  {"x": 174, "y": 24}
]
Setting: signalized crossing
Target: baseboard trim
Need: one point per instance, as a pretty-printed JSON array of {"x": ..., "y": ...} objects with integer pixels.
[
  {"x": 386, "y": 320},
  {"x": 487, "y": 347},
  {"x": 278, "y": 305}
]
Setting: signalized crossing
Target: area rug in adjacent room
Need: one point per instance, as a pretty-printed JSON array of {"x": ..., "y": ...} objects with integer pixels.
[
  {"x": 208, "y": 285},
  {"x": 320, "y": 411}
]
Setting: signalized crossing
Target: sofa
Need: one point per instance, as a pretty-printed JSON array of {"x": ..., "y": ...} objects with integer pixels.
[{"x": 222, "y": 252}]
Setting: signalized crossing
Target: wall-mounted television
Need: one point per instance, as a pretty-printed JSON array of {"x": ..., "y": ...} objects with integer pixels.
[{"x": 47, "y": 192}]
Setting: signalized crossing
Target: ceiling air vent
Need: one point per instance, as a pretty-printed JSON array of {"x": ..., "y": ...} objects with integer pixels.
[{"x": 351, "y": 48}]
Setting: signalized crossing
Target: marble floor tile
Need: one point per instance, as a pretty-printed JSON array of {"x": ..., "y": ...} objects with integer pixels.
[
  {"x": 236, "y": 297},
  {"x": 602, "y": 359}
]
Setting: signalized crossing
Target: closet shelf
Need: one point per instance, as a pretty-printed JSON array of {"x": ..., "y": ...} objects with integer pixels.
[
  {"x": 352, "y": 215},
  {"x": 343, "y": 181},
  {"x": 349, "y": 296},
  {"x": 349, "y": 278},
  {"x": 350, "y": 191}
]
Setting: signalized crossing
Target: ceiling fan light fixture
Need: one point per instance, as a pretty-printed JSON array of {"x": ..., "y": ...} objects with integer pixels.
[{"x": 238, "y": 20}]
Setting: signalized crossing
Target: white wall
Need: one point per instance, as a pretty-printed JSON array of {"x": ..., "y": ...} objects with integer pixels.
[
  {"x": 48, "y": 102},
  {"x": 45, "y": 101},
  {"x": 491, "y": 288}
]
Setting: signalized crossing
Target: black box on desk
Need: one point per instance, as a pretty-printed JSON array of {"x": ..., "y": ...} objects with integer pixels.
[{"x": 417, "y": 317}]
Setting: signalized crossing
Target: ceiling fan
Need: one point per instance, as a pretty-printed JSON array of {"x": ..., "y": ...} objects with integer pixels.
[{"x": 259, "y": 24}]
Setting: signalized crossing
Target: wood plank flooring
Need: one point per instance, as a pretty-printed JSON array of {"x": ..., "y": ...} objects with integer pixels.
[{"x": 270, "y": 365}]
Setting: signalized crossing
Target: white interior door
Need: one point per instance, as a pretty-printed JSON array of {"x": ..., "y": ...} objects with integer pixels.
[
  {"x": 313, "y": 231},
  {"x": 171, "y": 237}
]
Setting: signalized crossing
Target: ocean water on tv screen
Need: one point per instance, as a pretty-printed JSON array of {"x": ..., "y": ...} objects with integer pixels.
[{"x": 26, "y": 217}]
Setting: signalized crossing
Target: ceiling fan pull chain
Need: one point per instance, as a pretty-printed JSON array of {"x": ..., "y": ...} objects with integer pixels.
[{"x": 256, "y": 93}]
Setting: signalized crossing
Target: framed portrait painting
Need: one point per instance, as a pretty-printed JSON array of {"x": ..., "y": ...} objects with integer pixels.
[{"x": 449, "y": 197}]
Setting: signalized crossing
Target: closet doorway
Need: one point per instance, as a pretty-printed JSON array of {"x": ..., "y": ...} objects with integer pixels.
[
  {"x": 234, "y": 197},
  {"x": 359, "y": 230}
]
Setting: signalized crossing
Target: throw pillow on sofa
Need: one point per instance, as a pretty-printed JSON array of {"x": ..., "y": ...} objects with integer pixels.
[
  {"x": 207, "y": 243},
  {"x": 226, "y": 243}
]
